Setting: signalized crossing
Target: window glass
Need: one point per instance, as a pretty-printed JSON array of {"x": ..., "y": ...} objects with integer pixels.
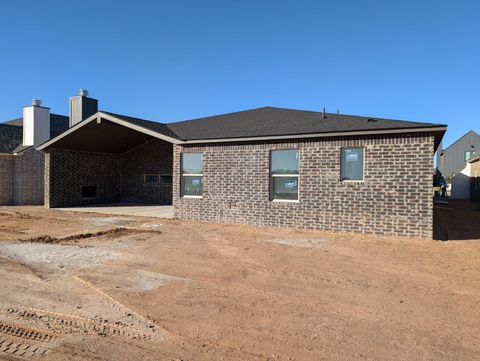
[
  {"x": 192, "y": 174},
  {"x": 192, "y": 185},
  {"x": 468, "y": 155},
  {"x": 352, "y": 164},
  {"x": 151, "y": 179},
  {"x": 284, "y": 174},
  {"x": 165, "y": 179},
  {"x": 285, "y": 188},
  {"x": 192, "y": 163},
  {"x": 285, "y": 162}
]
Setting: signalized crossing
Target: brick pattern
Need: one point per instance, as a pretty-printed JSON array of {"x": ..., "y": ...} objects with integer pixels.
[
  {"x": 28, "y": 186},
  {"x": 153, "y": 157},
  {"x": 117, "y": 177},
  {"x": 67, "y": 171},
  {"x": 7, "y": 162},
  {"x": 395, "y": 197}
]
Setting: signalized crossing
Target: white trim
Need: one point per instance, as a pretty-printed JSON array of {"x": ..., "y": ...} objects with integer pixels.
[
  {"x": 352, "y": 180},
  {"x": 316, "y": 135},
  {"x": 286, "y": 200},
  {"x": 194, "y": 197},
  {"x": 113, "y": 119},
  {"x": 474, "y": 159}
]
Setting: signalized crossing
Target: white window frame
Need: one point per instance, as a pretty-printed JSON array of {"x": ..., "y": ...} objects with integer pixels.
[
  {"x": 470, "y": 153},
  {"x": 363, "y": 166},
  {"x": 189, "y": 175},
  {"x": 272, "y": 176}
]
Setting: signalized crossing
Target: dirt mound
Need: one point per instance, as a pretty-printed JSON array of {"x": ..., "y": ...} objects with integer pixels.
[{"x": 120, "y": 231}]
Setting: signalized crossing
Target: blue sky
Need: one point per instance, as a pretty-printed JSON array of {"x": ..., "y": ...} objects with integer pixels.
[{"x": 176, "y": 60}]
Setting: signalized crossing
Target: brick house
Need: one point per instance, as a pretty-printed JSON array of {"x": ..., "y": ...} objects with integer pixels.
[
  {"x": 21, "y": 165},
  {"x": 266, "y": 166}
]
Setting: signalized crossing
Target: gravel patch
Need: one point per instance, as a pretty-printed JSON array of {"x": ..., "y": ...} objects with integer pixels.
[
  {"x": 55, "y": 257},
  {"x": 111, "y": 221},
  {"x": 302, "y": 242}
]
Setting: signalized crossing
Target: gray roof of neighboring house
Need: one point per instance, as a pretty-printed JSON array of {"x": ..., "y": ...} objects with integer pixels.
[
  {"x": 10, "y": 137},
  {"x": 270, "y": 121},
  {"x": 11, "y": 132}
]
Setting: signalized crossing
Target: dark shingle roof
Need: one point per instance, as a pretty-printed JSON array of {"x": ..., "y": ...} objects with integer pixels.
[
  {"x": 11, "y": 132},
  {"x": 10, "y": 137},
  {"x": 147, "y": 124},
  {"x": 269, "y": 121}
]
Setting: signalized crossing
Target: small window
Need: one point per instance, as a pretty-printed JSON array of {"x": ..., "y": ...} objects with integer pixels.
[
  {"x": 284, "y": 174},
  {"x": 165, "y": 179},
  {"x": 150, "y": 179},
  {"x": 468, "y": 155},
  {"x": 352, "y": 164},
  {"x": 89, "y": 191},
  {"x": 192, "y": 174}
]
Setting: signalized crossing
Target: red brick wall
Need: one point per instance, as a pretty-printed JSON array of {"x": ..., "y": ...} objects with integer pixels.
[
  {"x": 7, "y": 162},
  {"x": 118, "y": 177},
  {"x": 67, "y": 171},
  {"x": 28, "y": 187},
  {"x": 153, "y": 157},
  {"x": 395, "y": 197}
]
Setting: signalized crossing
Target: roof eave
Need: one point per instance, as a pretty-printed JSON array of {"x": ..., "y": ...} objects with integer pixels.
[
  {"x": 113, "y": 119},
  {"x": 432, "y": 129}
]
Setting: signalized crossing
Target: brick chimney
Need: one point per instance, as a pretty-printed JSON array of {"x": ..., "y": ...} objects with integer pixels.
[{"x": 81, "y": 107}]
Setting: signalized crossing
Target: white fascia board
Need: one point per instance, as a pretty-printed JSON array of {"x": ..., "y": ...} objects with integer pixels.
[
  {"x": 101, "y": 115},
  {"x": 317, "y": 135},
  {"x": 138, "y": 128}
]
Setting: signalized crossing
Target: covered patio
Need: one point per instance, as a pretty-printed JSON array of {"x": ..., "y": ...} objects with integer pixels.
[{"x": 110, "y": 159}]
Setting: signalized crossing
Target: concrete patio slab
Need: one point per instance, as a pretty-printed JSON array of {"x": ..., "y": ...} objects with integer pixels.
[{"x": 126, "y": 209}]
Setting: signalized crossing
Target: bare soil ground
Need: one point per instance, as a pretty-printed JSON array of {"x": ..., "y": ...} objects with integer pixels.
[{"x": 82, "y": 286}]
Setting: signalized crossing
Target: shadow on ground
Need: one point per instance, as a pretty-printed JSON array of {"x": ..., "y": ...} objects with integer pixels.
[{"x": 456, "y": 220}]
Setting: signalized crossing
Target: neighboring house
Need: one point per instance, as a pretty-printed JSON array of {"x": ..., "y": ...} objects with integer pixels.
[
  {"x": 21, "y": 166},
  {"x": 474, "y": 175},
  {"x": 266, "y": 166},
  {"x": 451, "y": 162}
]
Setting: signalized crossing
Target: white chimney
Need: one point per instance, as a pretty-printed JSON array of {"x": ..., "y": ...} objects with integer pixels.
[{"x": 36, "y": 124}]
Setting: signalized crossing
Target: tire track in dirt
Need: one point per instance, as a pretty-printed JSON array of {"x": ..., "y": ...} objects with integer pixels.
[
  {"x": 22, "y": 340},
  {"x": 17, "y": 347},
  {"x": 127, "y": 312}
]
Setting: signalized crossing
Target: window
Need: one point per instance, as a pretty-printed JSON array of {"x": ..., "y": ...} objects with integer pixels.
[
  {"x": 468, "y": 155},
  {"x": 352, "y": 164},
  {"x": 150, "y": 179},
  {"x": 89, "y": 191},
  {"x": 192, "y": 174},
  {"x": 284, "y": 174},
  {"x": 165, "y": 179}
]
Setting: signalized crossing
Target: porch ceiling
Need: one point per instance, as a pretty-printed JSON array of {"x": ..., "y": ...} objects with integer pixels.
[{"x": 106, "y": 136}]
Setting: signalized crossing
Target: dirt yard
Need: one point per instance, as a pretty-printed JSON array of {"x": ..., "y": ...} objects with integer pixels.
[{"x": 83, "y": 286}]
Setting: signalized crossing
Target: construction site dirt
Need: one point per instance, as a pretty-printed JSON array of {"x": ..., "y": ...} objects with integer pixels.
[{"x": 83, "y": 286}]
